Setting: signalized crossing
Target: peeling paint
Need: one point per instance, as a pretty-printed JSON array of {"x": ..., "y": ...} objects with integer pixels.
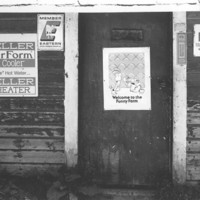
[
  {"x": 16, "y": 5},
  {"x": 64, "y": 5},
  {"x": 103, "y": 5},
  {"x": 135, "y": 5}
]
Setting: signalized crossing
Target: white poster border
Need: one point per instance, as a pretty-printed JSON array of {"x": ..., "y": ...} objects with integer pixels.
[
  {"x": 109, "y": 101},
  {"x": 196, "y": 40}
]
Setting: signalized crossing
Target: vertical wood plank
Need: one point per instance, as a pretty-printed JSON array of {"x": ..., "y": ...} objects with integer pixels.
[
  {"x": 179, "y": 104},
  {"x": 71, "y": 88}
]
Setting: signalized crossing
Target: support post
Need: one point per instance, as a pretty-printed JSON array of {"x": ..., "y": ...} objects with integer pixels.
[
  {"x": 179, "y": 97},
  {"x": 71, "y": 88}
]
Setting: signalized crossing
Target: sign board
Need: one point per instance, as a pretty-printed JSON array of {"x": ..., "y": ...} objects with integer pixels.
[
  {"x": 18, "y": 65},
  {"x": 50, "y": 32},
  {"x": 127, "y": 34},
  {"x": 181, "y": 48},
  {"x": 126, "y": 74},
  {"x": 196, "y": 44}
]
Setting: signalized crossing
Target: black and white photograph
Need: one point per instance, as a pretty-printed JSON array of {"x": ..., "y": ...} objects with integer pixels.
[{"x": 100, "y": 100}]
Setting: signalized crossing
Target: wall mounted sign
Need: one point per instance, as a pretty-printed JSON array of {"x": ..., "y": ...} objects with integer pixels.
[
  {"x": 181, "y": 48},
  {"x": 196, "y": 44},
  {"x": 126, "y": 74},
  {"x": 18, "y": 65},
  {"x": 127, "y": 34},
  {"x": 50, "y": 32}
]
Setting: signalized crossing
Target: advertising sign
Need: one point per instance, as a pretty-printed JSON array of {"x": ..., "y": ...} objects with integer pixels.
[
  {"x": 50, "y": 32},
  {"x": 126, "y": 74},
  {"x": 18, "y": 65},
  {"x": 196, "y": 44}
]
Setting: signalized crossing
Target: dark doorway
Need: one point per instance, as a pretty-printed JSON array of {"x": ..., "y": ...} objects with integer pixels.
[{"x": 125, "y": 147}]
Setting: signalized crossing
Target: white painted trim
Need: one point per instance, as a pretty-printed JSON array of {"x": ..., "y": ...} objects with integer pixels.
[
  {"x": 95, "y": 2},
  {"x": 179, "y": 104},
  {"x": 71, "y": 88},
  {"x": 57, "y": 7},
  {"x": 179, "y": 97}
]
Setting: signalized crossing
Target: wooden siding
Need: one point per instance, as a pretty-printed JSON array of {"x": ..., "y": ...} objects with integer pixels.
[
  {"x": 32, "y": 128},
  {"x": 193, "y": 101}
]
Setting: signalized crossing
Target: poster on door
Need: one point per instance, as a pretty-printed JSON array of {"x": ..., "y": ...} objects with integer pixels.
[
  {"x": 18, "y": 65},
  {"x": 50, "y": 32},
  {"x": 126, "y": 77}
]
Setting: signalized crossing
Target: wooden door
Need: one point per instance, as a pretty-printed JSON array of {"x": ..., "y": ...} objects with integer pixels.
[{"x": 125, "y": 147}]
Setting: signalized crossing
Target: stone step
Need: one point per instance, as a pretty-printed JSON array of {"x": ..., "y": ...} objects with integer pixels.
[{"x": 95, "y": 193}]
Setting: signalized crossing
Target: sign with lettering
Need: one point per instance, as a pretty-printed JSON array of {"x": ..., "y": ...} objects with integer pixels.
[
  {"x": 196, "y": 44},
  {"x": 18, "y": 65},
  {"x": 50, "y": 32},
  {"x": 126, "y": 75}
]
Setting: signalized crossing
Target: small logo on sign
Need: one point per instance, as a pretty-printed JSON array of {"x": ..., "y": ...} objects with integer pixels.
[{"x": 49, "y": 31}]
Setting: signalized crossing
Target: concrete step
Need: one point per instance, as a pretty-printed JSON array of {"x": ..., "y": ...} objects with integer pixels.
[
  {"x": 94, "y": 193},
  {"x": 130, "y": 194}
]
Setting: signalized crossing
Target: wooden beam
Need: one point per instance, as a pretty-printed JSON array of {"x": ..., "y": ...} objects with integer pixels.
[
  {"x": 98, "y": 6},
  {"x": 30, "y": 170},
  {"x": 179, "y": 103},
  {"x": 32, "y": 157},
  {"x": 71, "y": 88},
  {"x": 32, "y": 144}
]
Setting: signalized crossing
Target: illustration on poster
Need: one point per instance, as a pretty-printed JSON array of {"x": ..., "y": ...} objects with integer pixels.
[
  {"x": 126, "y": 72},
  {"x": 133, "y": 84},
  {"x": 126, "y": 75}
]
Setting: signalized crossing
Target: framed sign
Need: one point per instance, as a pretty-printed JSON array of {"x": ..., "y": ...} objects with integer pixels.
[
  {"x": 126, "y": 76},
  {"x": 181, "y": 48},
  {"x": 18, "y": 65},
  {"x": 50, "y": 32},
  {"x": 196, "y": 44}
]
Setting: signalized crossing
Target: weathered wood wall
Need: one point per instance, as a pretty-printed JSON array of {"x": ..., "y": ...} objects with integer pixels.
[
  {"x": 193, "y": 100},
  {"x": 32, "y": 128}
]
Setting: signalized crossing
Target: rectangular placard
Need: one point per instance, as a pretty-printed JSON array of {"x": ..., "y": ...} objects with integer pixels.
[
  {"x": 50, "y": 32},
  {"x": 18, "y": 65},
  {"x": 196, "y": 44},
  {"x": 127, "y": 34},
  {"x": 181, "y": 48},
  {"x": 126, "y": 75}
]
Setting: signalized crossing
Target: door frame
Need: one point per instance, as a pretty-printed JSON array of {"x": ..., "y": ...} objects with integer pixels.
[
  {"x": 179, "y": 102},
  {"x": 179, "y": 96}
]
